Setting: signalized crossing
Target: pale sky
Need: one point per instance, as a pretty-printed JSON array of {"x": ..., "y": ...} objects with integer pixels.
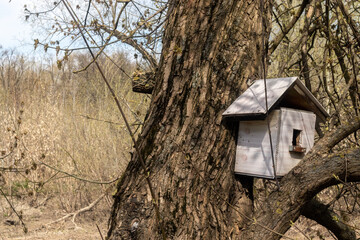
[{"x": 14, "y": 31}]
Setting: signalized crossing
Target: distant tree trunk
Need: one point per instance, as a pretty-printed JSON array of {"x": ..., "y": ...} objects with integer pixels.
[{"x": 210, "y": 50}]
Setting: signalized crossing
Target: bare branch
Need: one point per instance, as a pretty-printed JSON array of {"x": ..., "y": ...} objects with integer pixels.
[
  {"x": 349, "y": 20},
  {"x": 315, "y": 172},
  {"x": 17, "y": 214},
  {"x": 142, "y": 162},
  {"x": 84, "y": 209},
  {"x": 320, "y": 213},
  {"x": 334, "y": 137},
  {"x": 125, "y": 39},
  {"x": 277, "y": 40}
]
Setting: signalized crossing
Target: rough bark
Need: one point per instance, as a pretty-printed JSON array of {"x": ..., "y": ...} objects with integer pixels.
[
  {"x": 321, "y": 213},
  {"x": 317, "y": 171},
  {"x": 210, "y": 49},
  {"x": 143, "y": 82}
]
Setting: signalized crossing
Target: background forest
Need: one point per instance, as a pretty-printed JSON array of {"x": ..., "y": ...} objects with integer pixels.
[
  {"x": 64, "y": 145},
  {"x": 60, "y": 139}
]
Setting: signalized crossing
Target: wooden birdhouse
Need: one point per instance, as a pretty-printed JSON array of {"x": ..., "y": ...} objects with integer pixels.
[{"x": 293, "y": 115}]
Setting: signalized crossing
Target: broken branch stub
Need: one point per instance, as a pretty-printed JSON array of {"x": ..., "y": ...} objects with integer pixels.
[{"x": 143, "y": 82}]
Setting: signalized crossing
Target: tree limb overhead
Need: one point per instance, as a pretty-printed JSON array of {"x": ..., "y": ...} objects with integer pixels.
[
  {"x": 275, "y": 43},
  {"x": 128, "y": 40},
  {"x": 320, "y": 213}
]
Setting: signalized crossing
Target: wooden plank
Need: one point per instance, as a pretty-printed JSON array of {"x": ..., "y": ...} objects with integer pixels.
[
  {"x": 253, "y": 161},
  {"x": 294, "y": 119},
  {"x": 253, "y": 152},
  {"x": 252, "y": 101}
]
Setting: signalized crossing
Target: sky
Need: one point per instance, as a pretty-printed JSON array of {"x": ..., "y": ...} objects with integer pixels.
[{"x": 15, "y": 33}]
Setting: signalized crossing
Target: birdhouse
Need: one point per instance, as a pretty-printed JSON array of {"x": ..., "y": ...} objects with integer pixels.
[{"x": 292, "y": 117}]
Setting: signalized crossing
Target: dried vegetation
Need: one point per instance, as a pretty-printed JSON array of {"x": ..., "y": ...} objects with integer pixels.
[{"x": 61, "y": 139}]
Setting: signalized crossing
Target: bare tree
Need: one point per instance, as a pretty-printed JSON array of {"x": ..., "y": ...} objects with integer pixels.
[{"x": 185, "y": 188}]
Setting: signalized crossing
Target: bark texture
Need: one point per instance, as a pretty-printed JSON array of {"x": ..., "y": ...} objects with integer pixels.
[
  {"x": 210, "y": 50},
  {"x": 143, "y": 82},
  {"x": 315, "y": 172},
  {"x": 321, "y": 213}
]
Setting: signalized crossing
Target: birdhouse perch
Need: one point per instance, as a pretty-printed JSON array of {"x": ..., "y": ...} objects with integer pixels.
[{"x": 293, "y": 115}]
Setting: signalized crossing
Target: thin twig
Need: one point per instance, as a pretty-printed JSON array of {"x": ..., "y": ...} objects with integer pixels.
[
  {"x": 84, "y": 209},
  {"x": 142, "y": 162},
  {"x": 77, "y": 177},
  {"x": 106, "y": 43},
  {"x": 277, "y": 39},
  {"x": 12, "y": 207},
  {"x": 69, "y": 174},
  {"x": 100, "y": 120},
  {"x": 102, "y": 238},
  {"x": 302, "y": 232},
  {"x": 263, "y": 64},
  {"x": 87, "y": 12}
]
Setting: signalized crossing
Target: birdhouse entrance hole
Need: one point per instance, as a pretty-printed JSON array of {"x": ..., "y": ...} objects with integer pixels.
[
  {"x": 296, "y": 137},
  {"x": 296, "y": 142}
]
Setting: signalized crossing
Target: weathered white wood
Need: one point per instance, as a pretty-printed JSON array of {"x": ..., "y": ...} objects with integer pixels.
[
  {"x": 253, "y": 152},
  {"x": 294, "y": 119},
  {"x": 252, "y": 101}
]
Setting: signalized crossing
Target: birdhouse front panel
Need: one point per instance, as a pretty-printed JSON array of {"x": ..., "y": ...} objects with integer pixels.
[
  {"x": 292, "y": 135},
  {"x": 296, "y": 138}
]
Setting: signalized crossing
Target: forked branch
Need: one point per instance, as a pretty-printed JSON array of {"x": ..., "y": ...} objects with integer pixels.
[
  {"x": 82, "y": 210},
  {"x": 318, "y": 170},
  {"x": 350, "y": 21},
  {"x": 277, "y": 40},
  {"x": 320, "y": 213}
]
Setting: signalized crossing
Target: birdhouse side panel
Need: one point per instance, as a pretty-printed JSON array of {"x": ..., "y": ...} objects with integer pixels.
[
  {"x": 253, "y": 151},
  {"x": 296, "y": 138}
]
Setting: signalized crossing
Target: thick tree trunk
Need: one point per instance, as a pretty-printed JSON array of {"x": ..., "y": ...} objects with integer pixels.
[{"x": 210, "y": 50}]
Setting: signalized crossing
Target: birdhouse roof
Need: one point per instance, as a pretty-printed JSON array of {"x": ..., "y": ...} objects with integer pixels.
[{"x": 281, "y": 92}]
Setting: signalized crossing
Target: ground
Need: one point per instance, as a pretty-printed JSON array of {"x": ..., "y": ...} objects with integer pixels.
[{"x": 37, "y": 219}]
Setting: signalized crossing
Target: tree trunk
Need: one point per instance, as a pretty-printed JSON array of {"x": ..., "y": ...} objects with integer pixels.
[{"x": 210, "y": 50}]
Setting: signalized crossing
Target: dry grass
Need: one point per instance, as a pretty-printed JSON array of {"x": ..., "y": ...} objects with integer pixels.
[{"x": 55, "y": 125}]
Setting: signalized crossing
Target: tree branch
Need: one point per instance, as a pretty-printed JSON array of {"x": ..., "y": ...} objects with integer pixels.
[
  {"x": 318, "y": 170},
  {"x": 277, "y": 40},
  {"x": 143, "y": 82},
  {"x": 335, "y": 136},
  {"x": 349, "y": 20},
  {"x": 125, "y": 39},
  {"x": 84, "y": 209},
  {"x": 297, "y": 188},
  {"x": 320, "y": 213}
]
